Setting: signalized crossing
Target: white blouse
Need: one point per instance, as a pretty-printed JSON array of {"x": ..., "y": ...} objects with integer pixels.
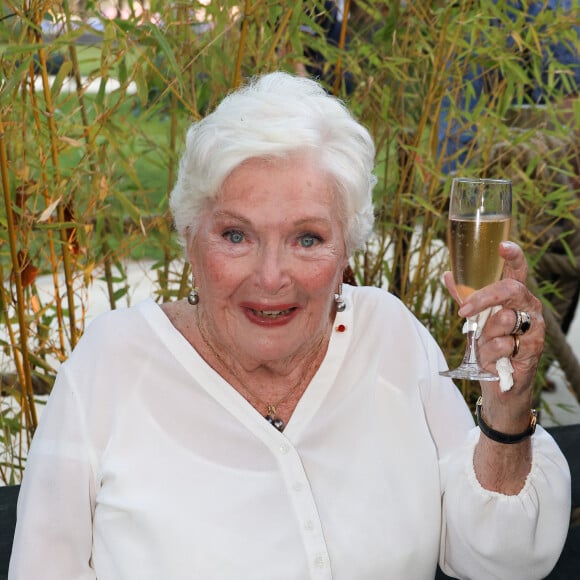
[{"x": 148, "y": 465}]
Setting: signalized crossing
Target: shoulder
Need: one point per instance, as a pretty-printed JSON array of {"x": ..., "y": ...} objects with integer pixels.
[
  {"x": 117, "y": 348},
  {"x": 370, "y": 302},
  {"x": 388, "y": 337},
  {"x": 116, "y": 331},
  {"x": 379, "y": 315},
  {"x": 123, "y": 321}
]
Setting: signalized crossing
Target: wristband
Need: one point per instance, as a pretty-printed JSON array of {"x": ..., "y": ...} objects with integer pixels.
[{"x": 504, "y": 437}]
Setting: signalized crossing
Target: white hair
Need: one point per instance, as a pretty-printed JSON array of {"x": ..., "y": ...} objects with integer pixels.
[{"x": 274, "y": 116}]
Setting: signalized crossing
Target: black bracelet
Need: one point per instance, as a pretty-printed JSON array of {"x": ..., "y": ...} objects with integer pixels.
[{"x": 504, "y": 437}]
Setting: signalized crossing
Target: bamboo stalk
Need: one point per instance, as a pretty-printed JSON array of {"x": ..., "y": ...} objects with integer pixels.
[
  {"x": 23, "y": 369},
  {"x": 25, "y": 406},
  {"x": 184, "y": 280},
  {"x": 341, "y": 44},
  {"x": 279, "y": 33},
  {"x": 80, "y": 96},
  {"x": 433, "y": 97},
  {"x": 52, "y": 133},
  {"x": 241, "y": 45}
]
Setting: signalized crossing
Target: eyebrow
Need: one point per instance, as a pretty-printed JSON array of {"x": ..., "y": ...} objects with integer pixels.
[
  {"x": 223, "y": 214},
  {"x": 309, "y": 220}
]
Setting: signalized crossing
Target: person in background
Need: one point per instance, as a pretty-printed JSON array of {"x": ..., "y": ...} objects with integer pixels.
[
  {"x": 330, "y": 20},
  {"x": 277, "y": 422},
  {"x": 457, "y": 138}
]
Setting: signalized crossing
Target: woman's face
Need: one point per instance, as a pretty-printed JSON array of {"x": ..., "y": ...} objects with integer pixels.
[{"x": 267, "y": 258}]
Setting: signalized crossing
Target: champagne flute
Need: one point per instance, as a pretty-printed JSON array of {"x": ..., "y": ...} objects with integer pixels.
[{"x": 480, "y": 213}]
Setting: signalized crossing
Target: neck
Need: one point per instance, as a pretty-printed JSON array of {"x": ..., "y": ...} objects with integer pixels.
[{"x": 272, "y": 389}]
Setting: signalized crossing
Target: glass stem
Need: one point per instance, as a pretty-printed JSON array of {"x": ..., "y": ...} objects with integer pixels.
[{"x": 471, "y": 356}]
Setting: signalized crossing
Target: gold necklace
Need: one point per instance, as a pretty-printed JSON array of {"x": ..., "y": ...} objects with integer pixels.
[{"x": 271, "y": 414}]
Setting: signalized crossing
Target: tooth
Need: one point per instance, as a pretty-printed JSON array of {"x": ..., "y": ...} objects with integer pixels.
[{"x": 271, "y": 313}]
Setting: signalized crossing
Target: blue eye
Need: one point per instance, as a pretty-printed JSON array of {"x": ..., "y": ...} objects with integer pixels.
[
  {"x": 308, "y": 240},
  {"x": 234, "y": 236}
]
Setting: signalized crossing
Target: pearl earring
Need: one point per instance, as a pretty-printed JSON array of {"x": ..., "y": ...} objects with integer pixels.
[
  {"x": 339, "y": 301},
  {"x": 193, "y": 297}
]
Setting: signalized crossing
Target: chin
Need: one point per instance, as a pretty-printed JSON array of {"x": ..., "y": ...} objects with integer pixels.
[{"x": 271, "y": 352}]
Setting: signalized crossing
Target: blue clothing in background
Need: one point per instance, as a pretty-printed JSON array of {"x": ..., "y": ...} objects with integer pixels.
[{"x": 455, "y": 137}]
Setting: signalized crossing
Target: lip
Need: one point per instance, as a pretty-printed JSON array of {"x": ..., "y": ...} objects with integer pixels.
[{"x": 270, "y": 314}]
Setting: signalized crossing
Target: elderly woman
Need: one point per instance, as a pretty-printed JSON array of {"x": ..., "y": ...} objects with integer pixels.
[{"x": 278, "y": 424}]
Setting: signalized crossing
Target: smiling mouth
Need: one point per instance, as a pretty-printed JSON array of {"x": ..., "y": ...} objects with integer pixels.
[{"x": 272, "y": 313}]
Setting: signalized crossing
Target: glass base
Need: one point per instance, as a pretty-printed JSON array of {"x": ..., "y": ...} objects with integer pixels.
[{"x": 470, "y": 372}]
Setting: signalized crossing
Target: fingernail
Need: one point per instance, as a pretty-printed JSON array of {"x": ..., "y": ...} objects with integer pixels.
[{"x": 465, "y": 311}]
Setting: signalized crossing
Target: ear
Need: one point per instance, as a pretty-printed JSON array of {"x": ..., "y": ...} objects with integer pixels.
[{"x": 348, "y": 276}]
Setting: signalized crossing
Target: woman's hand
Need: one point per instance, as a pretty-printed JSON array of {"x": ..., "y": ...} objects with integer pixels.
[{"x": 508, "y": 412}]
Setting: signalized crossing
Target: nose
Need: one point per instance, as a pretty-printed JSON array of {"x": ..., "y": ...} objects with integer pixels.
[{"x": 272, "y": 269}]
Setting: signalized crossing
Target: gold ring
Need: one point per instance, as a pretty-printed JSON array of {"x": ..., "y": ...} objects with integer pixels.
[
  {"x": 523, "y": 322},
  {"x": 516, "y": 346}
]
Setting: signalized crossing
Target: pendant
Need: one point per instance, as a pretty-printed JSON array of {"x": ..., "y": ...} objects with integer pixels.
[{"x": 275, "y": 421}]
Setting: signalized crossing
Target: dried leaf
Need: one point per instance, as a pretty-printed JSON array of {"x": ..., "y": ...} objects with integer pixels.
[
  {"x": 35, "y": 304},
  {"x": 45, "y": 215},
  {"x": 71, "y": 233},
  {"x": 71, "y": 142},
  {"x": 28, "y": 271}
]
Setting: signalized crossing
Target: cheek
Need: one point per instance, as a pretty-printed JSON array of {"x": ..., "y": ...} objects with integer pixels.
[
  {"x": 209, "y": 266},
  {"x": 220, "y": 273},
  {"x": 324, "y": 278}
]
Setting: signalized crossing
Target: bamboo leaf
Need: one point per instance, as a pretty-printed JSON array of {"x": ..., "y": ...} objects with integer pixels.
[
  {"x": 63, "y": 73},
  {"x": 166, "y": 50},
  {"x": 58, "y": 225},
  {"x": 120, "y": 293},
  {"x": 142, "y": 87},
  {"x": 133, "y": 211}
]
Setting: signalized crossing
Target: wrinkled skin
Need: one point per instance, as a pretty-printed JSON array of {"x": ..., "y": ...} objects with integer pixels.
[{"x": 502, "y": 467}]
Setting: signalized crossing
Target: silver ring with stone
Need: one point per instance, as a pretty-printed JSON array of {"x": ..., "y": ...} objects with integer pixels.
[{"x": 523, "y": 322}]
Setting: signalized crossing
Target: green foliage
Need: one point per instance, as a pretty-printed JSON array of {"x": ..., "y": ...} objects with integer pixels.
[{"x": 86, "y": 175}]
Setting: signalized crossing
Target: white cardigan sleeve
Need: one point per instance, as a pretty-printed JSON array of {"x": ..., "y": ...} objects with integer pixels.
[
  {"x": 53, "y": 538},
  {"x": 489, "y": 535}
]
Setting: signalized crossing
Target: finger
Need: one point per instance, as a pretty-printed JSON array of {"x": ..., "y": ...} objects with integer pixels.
[
  {"x": 515, "y": 265},
  {"x": 523, "y": 352},
  {"x": 502, "y": 322},
  {"x": 449, "y": 282},
  {"x": 509, "y": 293},
  {"x": 496, "y": 340},
  {"x": 512, "y": 296}
]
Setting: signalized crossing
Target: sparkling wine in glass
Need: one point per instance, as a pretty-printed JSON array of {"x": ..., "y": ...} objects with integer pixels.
[{"x": 480, "y": 213}]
